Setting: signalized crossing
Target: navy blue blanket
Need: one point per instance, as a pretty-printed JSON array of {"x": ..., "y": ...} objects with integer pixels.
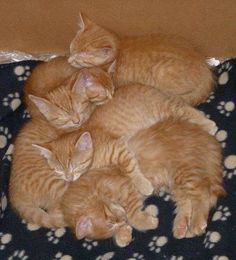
[{"x": 19, "y": 240}]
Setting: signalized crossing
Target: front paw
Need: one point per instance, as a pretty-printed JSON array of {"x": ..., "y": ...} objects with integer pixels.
[
  {"x": 145, "y": 187},
  {"x": 210, "y": 126},
  {"x": 123, "y": 237},
  {"x": 151, "y": 210}
]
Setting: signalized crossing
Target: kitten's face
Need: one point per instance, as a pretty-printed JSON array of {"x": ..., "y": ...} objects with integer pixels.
[
  {"x": 101, "y": 222},
  {"x": 68, "y": 106},
  {"x": 92, "y": 45},
  {"x": 69, "y": 158}
]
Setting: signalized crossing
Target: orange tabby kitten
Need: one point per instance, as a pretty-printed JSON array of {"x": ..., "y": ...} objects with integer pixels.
[
  {"x": 64, "y": 96},
  {"x": 167, "y": 63},
  {"x": 34, "y": 188},
  {"x": 103, "y": 204},
  {"x": 175, "y": 155},
  {"x": 131, "y": 109}
]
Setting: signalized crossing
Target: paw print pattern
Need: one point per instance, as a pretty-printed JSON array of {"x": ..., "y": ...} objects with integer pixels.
[
  {"x": 211, "y": 97},
  {"x": 222, "y": 257},
  {"x": 230, "y": 167},
  {"x": 26, "y": 114},
  {"x": 222, "y": 213},
  {"x": 22, "y": 72},
  {"x": 137, "y": 256},
  {"x": 8, "y": 154},
  {"x": 224, "y": 73},
  {"x": 174, "y": 257},
  {"x": 4, "y": 240},
  {"x": 18, "y": 255},
  {"x": 30, "y": 226},
  {"x": 60, "y": 256},
  {"x": 157, "y": 243},
  {"x": 3, "y": 204},
  {"x": 89, "y": 244},
  {"x": 4, "y": 136},
  {"x": 12, "y": 101},
  {"x": 226, "y": 108},
  {"x": 212, "y": 237},
  {"x": 106, "y": 256},
  {"x": 221, "y": 136},
  {"x": 164, "y": 195},
  {"x": 55, "y": 234}
]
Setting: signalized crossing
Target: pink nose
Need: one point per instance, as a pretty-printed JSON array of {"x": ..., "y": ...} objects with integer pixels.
[{"x": 76, "y": 121}]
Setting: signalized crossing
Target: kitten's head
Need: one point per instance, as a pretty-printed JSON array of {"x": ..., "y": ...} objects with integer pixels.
[
  {"x": 69, "y": 156},
  {"x": 92, "y": 45},
  {"x": 99, "y": 220},
  {"x": 70, "y": 105}
]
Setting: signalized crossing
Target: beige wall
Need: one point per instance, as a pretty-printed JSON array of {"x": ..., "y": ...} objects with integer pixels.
[{"x": 49, "y": 25}]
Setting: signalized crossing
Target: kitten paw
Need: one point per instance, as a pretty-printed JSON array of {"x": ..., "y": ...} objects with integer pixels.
[
  {"x": 180, "y": 226},
  {"x": 152, "y": 210},
  {"x": 145, "y": 187},
  {"x": 123, "y": 236},
  {"x": 210, "y": 126}
]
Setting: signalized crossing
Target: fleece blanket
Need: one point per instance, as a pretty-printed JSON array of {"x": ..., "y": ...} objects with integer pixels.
[{"x": 19, "y": 240}]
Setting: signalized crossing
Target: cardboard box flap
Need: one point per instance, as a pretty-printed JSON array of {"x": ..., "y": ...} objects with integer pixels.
[{"x": 39, "y": 26}]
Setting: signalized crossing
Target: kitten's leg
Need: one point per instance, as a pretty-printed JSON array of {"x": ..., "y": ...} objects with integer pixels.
[
  {"x": 119, "y": 154},
  {"x": 123, "y": 236},
  {"x": 174, "y": 106},
  {"x": 141, "y": 219}
]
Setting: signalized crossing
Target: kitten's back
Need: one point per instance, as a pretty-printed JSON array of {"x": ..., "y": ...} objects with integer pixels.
[
  {"x": 33, "y": 185},
  {"x": 168, "y": 63}
]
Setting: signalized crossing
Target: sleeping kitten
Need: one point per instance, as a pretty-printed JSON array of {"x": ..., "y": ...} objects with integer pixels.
[
  {"x": 167, "y": 63},
  {"x": 34, "y": 188},
  {"x": 103, "y": 204},
  {"x": 175, "y": 155},
  {"x": 131, "y": 109},
  {"x": 70, "y": 103}
]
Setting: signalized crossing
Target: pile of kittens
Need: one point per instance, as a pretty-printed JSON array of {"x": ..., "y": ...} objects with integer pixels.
[{"x": 111, "y": 124}]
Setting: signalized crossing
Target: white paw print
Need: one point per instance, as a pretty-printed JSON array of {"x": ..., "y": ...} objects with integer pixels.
[
  {"x": 89, "y": 244},
  {"x": 230, "y": 166},
  {"x": 136, "y": 256},
  {"x": 31, "y": 226},
  {"x": 106, "y": 256},
  {"x": 164, "y": 195},
  {"x": 3, "y": 204},
  {"x": 226, "y": 107},
  {"x": 12, "y": 100},
  {"x": 55, "y": 234},
  {"x": 224, "y": 73},
  {"x": 221, "y": 136},
  {"x": 22, "y": 72},
  {"x": 174, "y": 257},
  {"x": 4, "y": 240},
  {"x": 60, "y": 256},
  {"x": 8, "y": 154},
  {"x": 18, "y": 254},
  {"x": 211, "y": 97},
  {"x": 222, "y": 257},
  {"x": 157, "y": 243},
  {"x": 222, "y": 213},
  {"x": 212, "y": 237},
  {"x": 4, "y": 136},
  {"x": 26, "y": 114}
]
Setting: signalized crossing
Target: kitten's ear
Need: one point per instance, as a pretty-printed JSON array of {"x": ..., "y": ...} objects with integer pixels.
[
  {"x": 46, "y": 153},
  {"x": 83, "y": 226},
  {"x": 84, "y": 143},
  {"x": 83, "y": 21},
  {"x": 103, "y": 53},
  {"x": 85, "y": 79},
  {"x": 43, "y": 105},
  {"x": 112, "y": 68},
  {"x": 87, "y": 83}
]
